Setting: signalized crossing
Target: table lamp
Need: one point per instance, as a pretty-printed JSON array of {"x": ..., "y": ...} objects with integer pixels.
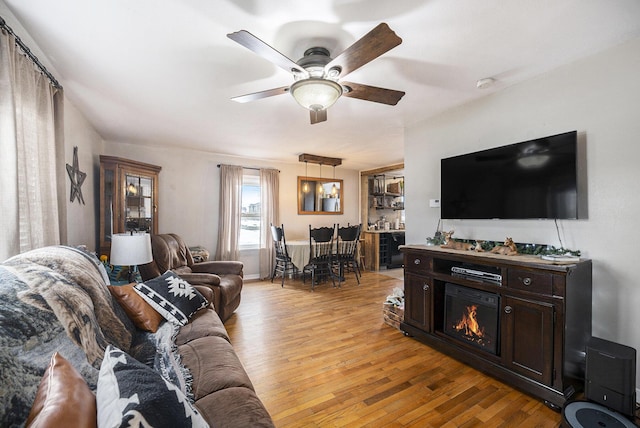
[{"x": 130, "y": 249}]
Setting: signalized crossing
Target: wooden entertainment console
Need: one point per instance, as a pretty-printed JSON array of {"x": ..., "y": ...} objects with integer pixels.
[{"x": 544, "y": 315}]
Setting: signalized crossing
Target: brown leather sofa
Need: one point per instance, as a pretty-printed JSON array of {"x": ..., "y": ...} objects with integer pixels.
[
  {"x": 73, "y": 279},
  {"x": 223, "y": 277},
  {"x": 222, "y": 390}
]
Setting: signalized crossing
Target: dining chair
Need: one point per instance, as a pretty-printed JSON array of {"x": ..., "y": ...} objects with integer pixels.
[
  {"x": 346, "y": 258},
  {"x": 283, "y": 263},
  {"x": 320, "y": 255}
]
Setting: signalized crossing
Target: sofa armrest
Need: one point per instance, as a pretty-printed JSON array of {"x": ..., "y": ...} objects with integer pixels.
[
  {"x": 200, "y": 278},
  {"x": 219, "y": 267},
  {"x": 207, "y": 292}
]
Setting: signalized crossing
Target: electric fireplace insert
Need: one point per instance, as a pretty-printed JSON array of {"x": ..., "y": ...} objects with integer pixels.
[{"x": 471, "y": 316}]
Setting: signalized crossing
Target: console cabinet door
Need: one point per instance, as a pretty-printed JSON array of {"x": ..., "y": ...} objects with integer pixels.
[
  {"x": 418, "y": 291},
  {"x": 527, "y": 338}
]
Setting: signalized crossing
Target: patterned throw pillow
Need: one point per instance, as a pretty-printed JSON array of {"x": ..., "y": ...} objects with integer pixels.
[
  {"x": 173, "y": 297},
  {"x": 132, "y": 394}
]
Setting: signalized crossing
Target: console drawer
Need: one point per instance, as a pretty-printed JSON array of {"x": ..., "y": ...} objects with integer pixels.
[
  {"x": 417, "y": 263},
  {"x": 530, "y": 281}
]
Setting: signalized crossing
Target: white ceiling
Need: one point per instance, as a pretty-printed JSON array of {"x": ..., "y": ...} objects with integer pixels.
[{"x": 162, "y": 72}]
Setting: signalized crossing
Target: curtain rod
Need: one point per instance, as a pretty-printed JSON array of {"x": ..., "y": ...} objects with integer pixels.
[
  {"x": 250, "y": 167},
  {"x": 32, "y": 57}
]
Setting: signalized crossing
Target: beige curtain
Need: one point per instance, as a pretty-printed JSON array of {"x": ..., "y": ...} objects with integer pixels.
[
  {"x": 30, "y": 119},
  {"x": 230, "y": 210},
  {"x": 269, "y": 208}
]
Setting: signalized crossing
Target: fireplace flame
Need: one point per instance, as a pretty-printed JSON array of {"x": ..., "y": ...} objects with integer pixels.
[{"x": 469, "y": 323}]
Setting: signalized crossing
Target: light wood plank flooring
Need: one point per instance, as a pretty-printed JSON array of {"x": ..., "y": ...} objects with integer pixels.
[{"x": 327, "y": 359}]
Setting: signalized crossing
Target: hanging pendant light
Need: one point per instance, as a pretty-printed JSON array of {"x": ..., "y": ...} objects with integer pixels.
[
  {"x": 334, "y": 189},
  {"x": 305, "y": 186},
  {"x": 320, "y": 188}
]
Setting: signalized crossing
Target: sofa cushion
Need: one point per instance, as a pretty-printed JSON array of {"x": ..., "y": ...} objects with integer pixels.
[
  {"x": 204, "y": 323},
  {"x": 237, "y": 407},
  {"x": 63, "y": 398},
  {"x": 132, "y": 394},
  {"x": 173, "y": 297},
  {"x": 214, "y": 366},
  {"x": 143, "y": 315}
]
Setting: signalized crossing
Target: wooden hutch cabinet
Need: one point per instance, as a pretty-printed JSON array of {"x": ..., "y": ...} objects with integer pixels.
[
  {"x": 128, "y": 198},
  {"x": 519, "y": 318}
]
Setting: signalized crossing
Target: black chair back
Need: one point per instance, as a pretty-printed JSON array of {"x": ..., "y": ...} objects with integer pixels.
[
  {"x": 283, "y": 264},
  {"x": 349, "y": 233},
  {"x": 320, "y": 254},
  {"x": 279, "y": 242},
  {"x": 321, "y": 242},
  {"x": 347, "y": 241},
  {"x": 347, "y": 249}
]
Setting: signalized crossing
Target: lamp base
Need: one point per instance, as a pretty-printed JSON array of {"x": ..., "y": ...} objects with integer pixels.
[{"x": 133, "y": 274}]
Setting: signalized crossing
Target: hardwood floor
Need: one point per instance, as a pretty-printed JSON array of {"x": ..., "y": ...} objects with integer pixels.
[{"x": 327, "y": 359}]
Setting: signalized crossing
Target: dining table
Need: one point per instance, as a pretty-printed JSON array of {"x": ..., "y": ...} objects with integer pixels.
[{"x": 299, "y": 251}]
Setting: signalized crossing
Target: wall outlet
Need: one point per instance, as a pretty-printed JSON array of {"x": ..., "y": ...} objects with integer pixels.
[{"x": 434, "y": 203}]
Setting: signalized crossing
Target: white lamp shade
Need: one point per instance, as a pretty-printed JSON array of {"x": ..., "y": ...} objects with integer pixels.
[{"x": 130, "y": 250}]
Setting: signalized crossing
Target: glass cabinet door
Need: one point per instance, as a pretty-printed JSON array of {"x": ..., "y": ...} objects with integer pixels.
[
  {"x": 139, "y": 203},
  {"x": 128, "y": 198}
]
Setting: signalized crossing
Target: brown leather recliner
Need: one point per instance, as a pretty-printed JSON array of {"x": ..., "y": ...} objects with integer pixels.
[{"x": 223, "y": 277}]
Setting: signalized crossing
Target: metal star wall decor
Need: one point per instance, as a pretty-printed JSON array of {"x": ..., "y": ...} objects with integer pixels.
[{"x": 77, "y": 177}]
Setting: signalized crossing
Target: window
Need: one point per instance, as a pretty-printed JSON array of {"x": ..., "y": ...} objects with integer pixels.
[{"x": 250, "y": 216}]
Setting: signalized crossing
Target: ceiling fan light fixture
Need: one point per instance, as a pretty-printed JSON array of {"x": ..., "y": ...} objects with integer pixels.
[
  {"x": 316, "y": 94},
  {"x": 316, "y": 74}
]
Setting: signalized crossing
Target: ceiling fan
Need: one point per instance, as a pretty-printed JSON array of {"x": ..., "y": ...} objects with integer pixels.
[{"x": 317, "y": 85}]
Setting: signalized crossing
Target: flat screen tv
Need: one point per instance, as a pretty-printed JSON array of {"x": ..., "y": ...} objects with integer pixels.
[{"x": 536, "y": 179}]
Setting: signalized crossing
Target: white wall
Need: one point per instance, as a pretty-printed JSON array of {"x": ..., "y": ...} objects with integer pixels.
[
  {"x": 189, "y": 194},
  {"x": 82, "y": 219},
  {"x": 600, "y": 98}
]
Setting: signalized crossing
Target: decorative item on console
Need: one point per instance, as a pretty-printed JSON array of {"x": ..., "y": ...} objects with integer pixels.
[
  {"x": 459, "y": 245},
  {"x": 437, "y": 239},
  {"x": 508, "y": 248},
  {"x": 455, "y": 245}
]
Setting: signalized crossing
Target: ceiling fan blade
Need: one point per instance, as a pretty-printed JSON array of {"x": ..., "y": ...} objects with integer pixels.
[
  {"x": 372, "y": 93},
  {"x": 262, "y": 94},
  {"x": 256, "y": 45},
  {"x": 373, "y": 44},
  {"x": 318, "y": 116}
]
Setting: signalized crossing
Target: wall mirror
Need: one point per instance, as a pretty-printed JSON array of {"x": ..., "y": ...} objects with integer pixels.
[{"x": 320, "y": 195}]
